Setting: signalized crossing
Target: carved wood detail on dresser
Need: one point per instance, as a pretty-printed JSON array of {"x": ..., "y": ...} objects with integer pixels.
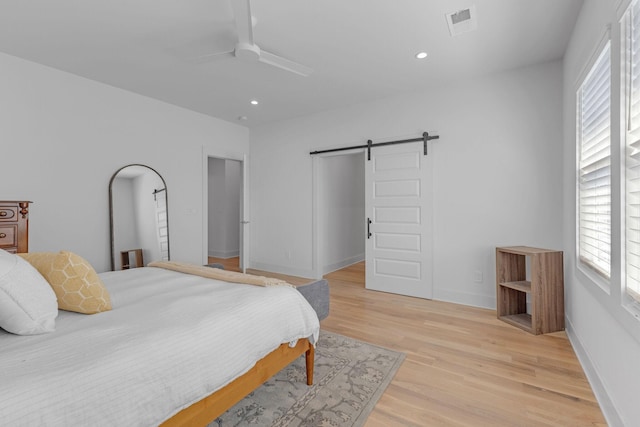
[{"x": 14, "y": 226}]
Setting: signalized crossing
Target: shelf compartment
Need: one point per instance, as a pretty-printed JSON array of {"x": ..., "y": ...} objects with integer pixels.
[
  {"x": 521, "y": 320},
  {"x": 520, "y": 285}
]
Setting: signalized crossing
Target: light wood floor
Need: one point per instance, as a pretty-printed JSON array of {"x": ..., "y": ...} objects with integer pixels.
[{"x": 463, "y": 366}]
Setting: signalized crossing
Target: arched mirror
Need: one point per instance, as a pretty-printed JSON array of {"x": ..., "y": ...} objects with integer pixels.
[{"x": 138, "y": 215}]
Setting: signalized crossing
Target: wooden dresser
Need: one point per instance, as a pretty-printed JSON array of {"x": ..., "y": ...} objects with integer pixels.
[{"x": 14, "y": 226}]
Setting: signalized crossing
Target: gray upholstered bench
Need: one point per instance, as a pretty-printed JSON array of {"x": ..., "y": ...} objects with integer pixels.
[{"x": 317, "y": 293}]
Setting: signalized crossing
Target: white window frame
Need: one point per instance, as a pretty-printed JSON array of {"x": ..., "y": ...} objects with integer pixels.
[
  {"x": 593, "y": 266},
  {"x": 630, "y": 141}
]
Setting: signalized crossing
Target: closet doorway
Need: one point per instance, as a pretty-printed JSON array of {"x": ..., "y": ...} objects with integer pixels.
[
  {"x": 340, "y": 201},
  {"x": 225, "y": 210}
]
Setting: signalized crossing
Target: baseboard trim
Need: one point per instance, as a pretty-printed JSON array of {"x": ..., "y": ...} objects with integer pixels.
[
  {"x": 464, "y": 298},
  {"x": 224, "y": 254},
  {"x": 329, "y": 268},
  {"x": 599, "y": 390}
]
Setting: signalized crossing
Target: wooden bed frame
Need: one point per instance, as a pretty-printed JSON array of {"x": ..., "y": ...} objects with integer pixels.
[{"x": 211, "y": 407}]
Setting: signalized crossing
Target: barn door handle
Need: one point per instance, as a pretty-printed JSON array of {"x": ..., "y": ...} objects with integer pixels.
[{"x": 368, "y": 228}]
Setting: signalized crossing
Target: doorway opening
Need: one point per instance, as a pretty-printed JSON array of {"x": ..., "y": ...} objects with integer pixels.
[
  {"x": 340, "y": 213},
  {"x": 224, "y": 241}
]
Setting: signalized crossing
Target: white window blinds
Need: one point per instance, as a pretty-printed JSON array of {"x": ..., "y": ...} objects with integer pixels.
[
  {"x": 594, "y": 174},
  {"x": 632, "y": 153}
]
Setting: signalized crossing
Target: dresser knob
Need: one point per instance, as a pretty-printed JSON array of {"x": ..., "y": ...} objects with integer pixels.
[
  {"x": 3, "y": 213},
  {"x": 3, "y": 235}
]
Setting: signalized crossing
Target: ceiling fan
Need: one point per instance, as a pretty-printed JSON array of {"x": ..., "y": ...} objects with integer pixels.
[{"x": 246, "y": 49}]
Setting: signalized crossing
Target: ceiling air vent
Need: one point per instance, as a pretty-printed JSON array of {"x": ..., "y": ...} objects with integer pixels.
[{"x": 462, "y": 21}]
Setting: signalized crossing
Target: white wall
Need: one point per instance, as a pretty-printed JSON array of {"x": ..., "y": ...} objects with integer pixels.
[
  {"x": 497, "y": 166},
  {"x": 604, "y": 334},
  {"x": 63, "y": 137},
  {"x": 342, "y": 210}
]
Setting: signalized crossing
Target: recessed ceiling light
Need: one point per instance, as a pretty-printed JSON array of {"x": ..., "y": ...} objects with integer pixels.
[
  {"x": 421, "y": 55},
  {"x": 254, "y": 102}
]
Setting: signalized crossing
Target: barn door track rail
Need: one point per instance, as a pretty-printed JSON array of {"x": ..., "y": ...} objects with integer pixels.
[{"x": 425, "y": 137}]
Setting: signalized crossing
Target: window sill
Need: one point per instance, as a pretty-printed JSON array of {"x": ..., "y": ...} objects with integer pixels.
[{"x": 594, "y": 277}]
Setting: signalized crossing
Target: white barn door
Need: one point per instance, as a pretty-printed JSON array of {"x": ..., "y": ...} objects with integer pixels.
[{"x": 398, "y": 203}]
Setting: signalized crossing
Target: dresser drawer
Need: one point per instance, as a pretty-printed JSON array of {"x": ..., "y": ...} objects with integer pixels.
[
  {"x": 8, "y": 213},
  {"x": 8, "y": 235}
]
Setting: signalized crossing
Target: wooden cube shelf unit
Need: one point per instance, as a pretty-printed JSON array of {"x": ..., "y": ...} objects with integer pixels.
[
  {"x": 545, "y": 287},
  {"x": 125, "y": 258}
]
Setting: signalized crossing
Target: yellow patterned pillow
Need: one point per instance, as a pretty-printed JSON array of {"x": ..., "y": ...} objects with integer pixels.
[{"x": 74, "y": 281}]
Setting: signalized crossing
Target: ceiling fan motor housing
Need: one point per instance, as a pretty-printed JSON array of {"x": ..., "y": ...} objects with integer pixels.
[{"x": 248, "y": 52}]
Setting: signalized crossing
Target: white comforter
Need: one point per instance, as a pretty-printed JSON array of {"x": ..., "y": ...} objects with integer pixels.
[{"x": 170, "y": 340}]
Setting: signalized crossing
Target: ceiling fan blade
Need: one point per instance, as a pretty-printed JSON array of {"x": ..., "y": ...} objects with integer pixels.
[
  {"x": 285, "y": 64},
  {"x": 244, "y": 27},
  {"x": 210, "y": 56}
]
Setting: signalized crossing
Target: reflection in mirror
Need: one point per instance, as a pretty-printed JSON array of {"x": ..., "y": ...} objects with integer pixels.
[{"x": 138, "y": 217}]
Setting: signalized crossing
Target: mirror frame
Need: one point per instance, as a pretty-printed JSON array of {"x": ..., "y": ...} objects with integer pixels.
[{"x": 111, "y": 230}]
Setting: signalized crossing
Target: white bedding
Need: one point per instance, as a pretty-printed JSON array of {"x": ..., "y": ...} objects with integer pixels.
[{"x": 170, "y": 340}]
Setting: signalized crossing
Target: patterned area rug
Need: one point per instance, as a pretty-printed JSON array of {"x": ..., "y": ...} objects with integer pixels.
[{"x": 349, "y": 378}]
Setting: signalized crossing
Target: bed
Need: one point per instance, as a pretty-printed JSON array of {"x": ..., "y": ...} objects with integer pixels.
[{"x": 175, "y": 349}]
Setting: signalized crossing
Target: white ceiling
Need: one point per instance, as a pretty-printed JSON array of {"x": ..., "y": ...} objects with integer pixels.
[{"x": 360, "y": 50}]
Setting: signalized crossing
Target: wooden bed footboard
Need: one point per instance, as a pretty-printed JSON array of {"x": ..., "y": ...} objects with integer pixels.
[{"x": 211, "y": 407}]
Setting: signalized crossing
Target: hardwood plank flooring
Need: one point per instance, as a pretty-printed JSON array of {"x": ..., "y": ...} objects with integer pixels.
[
  {"x": 463, "y": 367},
  {"x": 228, "y": 263}
]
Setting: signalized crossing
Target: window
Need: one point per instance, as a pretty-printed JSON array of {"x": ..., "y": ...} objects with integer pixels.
[
  {"x": 594, "y": 169},
  {"x": 631, "y": 58}
]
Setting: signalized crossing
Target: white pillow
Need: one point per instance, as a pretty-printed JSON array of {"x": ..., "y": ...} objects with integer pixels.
[{"x": 28, "y": 305}]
